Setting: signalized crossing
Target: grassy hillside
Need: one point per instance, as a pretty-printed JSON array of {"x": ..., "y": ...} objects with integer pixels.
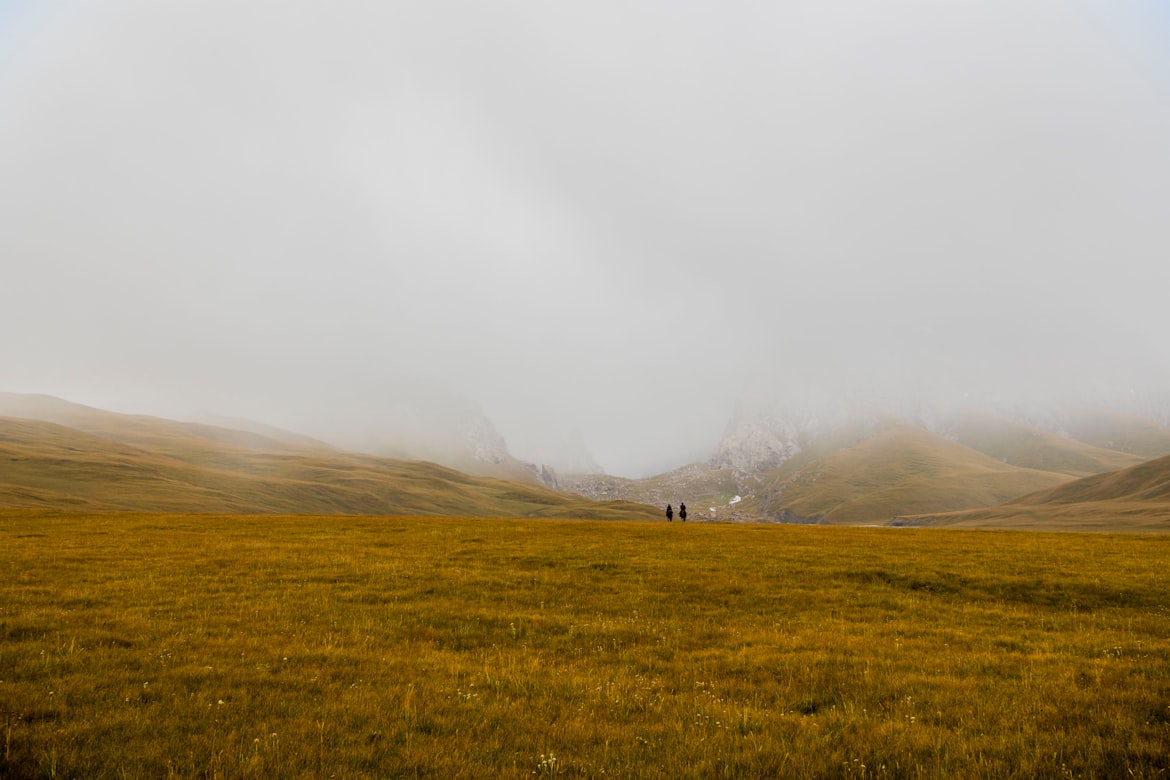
[
  {"x": 896, "y": 471},
  {"x": 1145, "y": 482},
  {"x": 174, "y": 467},
  {"x": 271, "y": 431},
  {"x": 189, "y": 441},
  {"x": 1020, "y": 445},
  {"x": 199, "y": 442},
  {"x": 1132, "y": 499},
  {"x": 1119, "y": 431},
  {"x": 879, "y": 470},
  {"x": 365, "y": 647}
]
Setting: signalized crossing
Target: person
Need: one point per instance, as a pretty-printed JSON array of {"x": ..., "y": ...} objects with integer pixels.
[
  {"x": 669, "y": 514},
  {"x": 682, "y": 512}
]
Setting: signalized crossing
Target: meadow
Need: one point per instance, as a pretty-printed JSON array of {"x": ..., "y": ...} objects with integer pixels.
[{"x": 200, "y": 646}]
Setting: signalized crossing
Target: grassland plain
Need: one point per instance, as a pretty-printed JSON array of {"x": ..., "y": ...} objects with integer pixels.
[{"x": 154, "y": 645}]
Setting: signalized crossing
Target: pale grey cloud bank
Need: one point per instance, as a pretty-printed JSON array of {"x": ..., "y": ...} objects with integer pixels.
[{"x": 609, "y": 217}]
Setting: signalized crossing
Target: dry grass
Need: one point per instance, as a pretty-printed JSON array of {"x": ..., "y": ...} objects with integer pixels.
[
  {"x": 1132, "y": 499},
  {"x": 50, "y": 466},
  {"x": 234, "y": 646},
  {"x": 1020, "y": 445},
  {"x": 898, "y": 470}
]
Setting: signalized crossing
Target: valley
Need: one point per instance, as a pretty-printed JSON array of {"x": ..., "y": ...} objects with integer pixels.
[
  {"x": 982, "y": 468},
  {"x": 877, "y": 468}
]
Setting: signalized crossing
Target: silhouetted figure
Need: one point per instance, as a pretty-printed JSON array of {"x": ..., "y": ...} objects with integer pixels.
[
  {"x": 682, "y": 512},
  {"x": 669, "y": 514}
]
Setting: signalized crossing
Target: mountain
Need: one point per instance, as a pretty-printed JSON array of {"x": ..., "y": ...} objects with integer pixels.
[
  {"x": 1073, "y": 439},
  {"x": 1147, "y": 482},
  {"x": 167, "y": 436},
  {"x": 862, "y": 465},
  {"x": 417, "y": 420},
  {"x": 867, "y": 464},
  {"x": 563, "y": 453},
  {"x": 1115, "y": 430},
  {"x": 765, "y": 438},
  {"x": 898, "y": 469},
  {"x": 1131, "y": 499},
  {"x": 1019, "y": 444},
  {"x": 269, "y": 431},
  {"x": 109, "y": 461}
]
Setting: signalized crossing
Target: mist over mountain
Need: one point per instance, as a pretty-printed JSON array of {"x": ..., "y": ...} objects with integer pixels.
[
  {"x": 418, "y": 420},
  {"x": 1014, "y": 467},
  {"x": 58, "y": 455},
  {"x": 566, "y": 453},
  {"x": 411, "y": 419},
  {"x": 899, "y": 464},
  {"x": 618, "y": 218}
]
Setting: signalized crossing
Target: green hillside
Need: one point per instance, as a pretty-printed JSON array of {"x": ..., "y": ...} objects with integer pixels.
[
  {"x": 895, "y": 471},
  {"x": 176, "y": 467}
]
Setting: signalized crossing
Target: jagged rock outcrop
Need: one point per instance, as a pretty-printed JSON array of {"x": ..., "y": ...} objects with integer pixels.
[
  {"x": 483, "y": 441},
  {"x": 750, "y": 446},
  {"x": 761, "y": 439},
  {"x": 544, "y": 475}
]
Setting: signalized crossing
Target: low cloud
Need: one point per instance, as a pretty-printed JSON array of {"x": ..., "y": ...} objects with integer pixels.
[{"x": 613, "y": 218}]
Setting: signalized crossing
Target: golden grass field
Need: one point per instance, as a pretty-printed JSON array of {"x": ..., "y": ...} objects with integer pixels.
[{"x": 201, "y": 646}]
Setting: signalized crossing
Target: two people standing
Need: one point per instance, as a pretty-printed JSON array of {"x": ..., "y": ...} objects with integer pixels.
[{"x": 682, "y": 513}]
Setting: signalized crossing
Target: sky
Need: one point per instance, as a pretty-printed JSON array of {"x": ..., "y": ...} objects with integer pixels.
[{"x": 615, "y": 218}]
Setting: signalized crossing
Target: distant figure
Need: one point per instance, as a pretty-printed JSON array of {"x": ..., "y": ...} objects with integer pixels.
[
  {"x": 682, "y": 512},
  {"x": 669, "y": 514}
]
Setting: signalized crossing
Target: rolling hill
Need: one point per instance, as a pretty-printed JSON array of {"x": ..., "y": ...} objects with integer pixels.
[
  {"x": 873, "y": 467},
  {"x": 1132, "y": 499},
  {"x": 190, "y": 440},
  {"x": 182, "y": 439},
  {"x": 1022, "y": 445},
  {"x": 895, "y": 470},
  {"x": 1146, "y": 482},
  {"x": 108, "y": 461},
  {"x": 1116, "y": 430}
]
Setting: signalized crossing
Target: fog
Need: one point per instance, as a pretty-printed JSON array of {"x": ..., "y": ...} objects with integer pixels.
[{"x": 615, "y": 218}]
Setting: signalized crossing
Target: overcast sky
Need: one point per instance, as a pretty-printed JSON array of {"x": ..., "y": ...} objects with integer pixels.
[{"x": 605, "y": 216}]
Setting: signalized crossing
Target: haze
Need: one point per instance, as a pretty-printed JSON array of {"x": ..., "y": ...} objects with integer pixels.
[{"x": 608, "y": 217}]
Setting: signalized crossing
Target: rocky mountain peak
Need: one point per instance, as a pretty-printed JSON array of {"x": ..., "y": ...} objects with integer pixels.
[{"x": 754, "y": 444}]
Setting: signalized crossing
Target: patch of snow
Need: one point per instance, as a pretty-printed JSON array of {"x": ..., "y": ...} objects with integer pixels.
[{"x": 735, "y": 500}]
